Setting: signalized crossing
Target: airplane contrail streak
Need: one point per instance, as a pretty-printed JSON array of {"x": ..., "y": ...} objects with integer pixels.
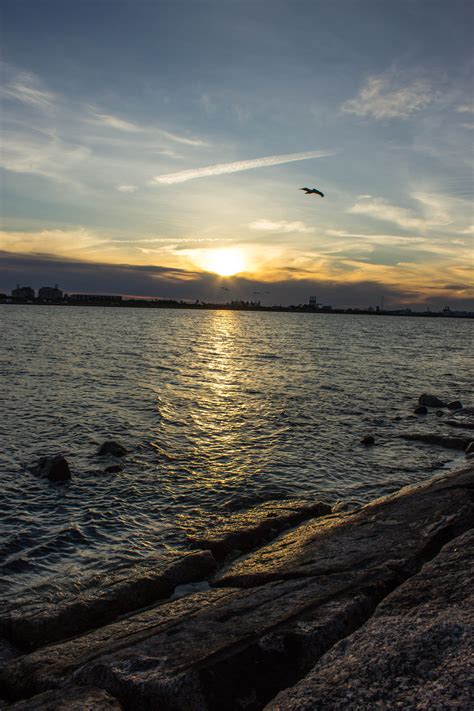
[{"x": 220, "y": 168}]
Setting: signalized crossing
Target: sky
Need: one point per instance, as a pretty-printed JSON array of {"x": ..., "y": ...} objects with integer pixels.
[{"x": 157, "y": 148}]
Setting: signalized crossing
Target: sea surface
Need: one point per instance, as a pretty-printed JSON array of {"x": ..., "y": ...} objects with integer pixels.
[{"x": 220, "y": 411}]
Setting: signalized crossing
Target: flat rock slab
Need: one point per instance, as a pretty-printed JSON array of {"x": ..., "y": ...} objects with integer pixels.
[
  {"x": 69, "y": 699},
  {"x": 249, "y": 529},
  {"x": 417, "y": 652},
  {"x": 54, "y": 614},
  {"x": 276, "y": 612},
  {"x": 396, "y": 531}
]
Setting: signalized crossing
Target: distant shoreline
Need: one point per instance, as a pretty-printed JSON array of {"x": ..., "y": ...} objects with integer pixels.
[{"x": 242, "y": 306}]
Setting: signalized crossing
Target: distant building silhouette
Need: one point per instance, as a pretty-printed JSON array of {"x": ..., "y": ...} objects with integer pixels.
[
  {"x": 95, "y": 298},
  {"x": 25, "y": 293},
  {"x": 50, "y": 293}
]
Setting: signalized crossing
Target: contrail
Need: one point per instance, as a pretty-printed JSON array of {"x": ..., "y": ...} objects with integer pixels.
[{"x": 221, "y": 168}]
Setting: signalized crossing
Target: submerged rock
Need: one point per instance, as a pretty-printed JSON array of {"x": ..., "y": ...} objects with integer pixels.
[
  {"x": 421, "y": 410},
  {"x": 54, "y": 468},
  {"x": 368, "y": 441},
  {"x": 430, "y": 401},
  {"x": 113, "y": 448},
  {"x": 455, "y": 405},
  {"x": 113, "y": 469},
  {"x": 448, "y": 442}
]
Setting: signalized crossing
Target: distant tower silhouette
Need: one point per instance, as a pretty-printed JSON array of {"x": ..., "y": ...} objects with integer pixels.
[{"x": 313, "y": 301}]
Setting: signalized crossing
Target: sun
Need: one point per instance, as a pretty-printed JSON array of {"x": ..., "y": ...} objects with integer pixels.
[{"x": 225, "y": 262}]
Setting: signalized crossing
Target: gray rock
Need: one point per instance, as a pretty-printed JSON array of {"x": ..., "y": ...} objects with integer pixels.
[
  {"x": 113, "y": 448},
  {"x": 417, "y": 652},
  {"x": 455, "y": 405},
  {"x": 70, "y": 699},
  {"x": 430, "y": 401},
  {"x": 448, "y": 442},
  {"x": 55, "y": 468},
  {"x": 249, "y": 529},
  {"x": 50, "y": 616},
  {"x": 271, "y": 616}
]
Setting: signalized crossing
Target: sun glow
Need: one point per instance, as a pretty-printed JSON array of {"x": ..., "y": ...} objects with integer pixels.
[{"x": 225, "y": 262}]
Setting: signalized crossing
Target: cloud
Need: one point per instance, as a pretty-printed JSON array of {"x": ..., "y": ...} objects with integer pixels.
[
  {"x": 379, "y": 239},
  {"x": 465, "y": 109},
  {"x": 117, "y": 123},
  {"x": 26, "y": 88},
  {"x": 180, "y": 139},
  {"x": 223, "y": 168},
  {"x": 384, "y": 98},
  {"x": 381, "y": 209},
  {"x": 127, "y": 188},
  {"x": 356, "y": 289},
  {"x": 280, "y": 226}
]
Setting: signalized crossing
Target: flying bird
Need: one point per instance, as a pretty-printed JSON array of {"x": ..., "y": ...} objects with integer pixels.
[{"x": 312, "y": 191}]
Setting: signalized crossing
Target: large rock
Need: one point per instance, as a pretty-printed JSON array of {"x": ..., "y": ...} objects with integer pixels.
[
  {"x": 249, "y": 529},
  {"x": 417, "y": 652},
  {"x": 430, "y": 401},
  {"x": 54, "y": 468},
  {"x": 272, "y": 616},
  {"x": 70, "y": 699},
  {"x": 56, "y": 615}
]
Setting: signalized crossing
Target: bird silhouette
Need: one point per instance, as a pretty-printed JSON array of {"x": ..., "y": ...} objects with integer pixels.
[{"x": 312, "y": 191}]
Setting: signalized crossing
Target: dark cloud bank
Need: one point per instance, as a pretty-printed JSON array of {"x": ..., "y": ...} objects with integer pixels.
[{"x": 162, "y": 282}]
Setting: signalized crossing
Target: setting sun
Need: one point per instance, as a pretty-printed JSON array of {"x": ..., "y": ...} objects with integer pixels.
[{"x": 224, "y": 262}]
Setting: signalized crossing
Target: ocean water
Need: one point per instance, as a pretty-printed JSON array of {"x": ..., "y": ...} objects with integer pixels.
[{"x": 219, "y": 410}]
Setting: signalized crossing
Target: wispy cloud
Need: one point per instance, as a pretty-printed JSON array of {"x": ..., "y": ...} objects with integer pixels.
[
  {"x": 385, "y": 97},
  {"x": 127, "y": 188},
  {"x": 184, "y": 140},
  {"x": 465, "y": 109},
  {"x": 26, "y": 88},
  {"x": 120, "y": 124},
  {"x": 284, "y": 226},
  {"x": 117, "y": 123},
  {"x": 223, "y": 168},
  {"x": 381, "y": 209}
]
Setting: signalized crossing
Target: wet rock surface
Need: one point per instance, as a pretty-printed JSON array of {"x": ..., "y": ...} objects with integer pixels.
[
  {"x": 417, "y": 651},
  {"x": 272, "y": 617},
  {"x": 50, "y": 616},
  {"x": 244, "y": 531}
]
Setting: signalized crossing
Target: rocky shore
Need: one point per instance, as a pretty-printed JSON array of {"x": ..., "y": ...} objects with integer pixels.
[{"x": 287, "y": 606}]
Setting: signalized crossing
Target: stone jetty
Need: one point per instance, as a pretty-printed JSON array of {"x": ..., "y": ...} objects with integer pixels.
[{"x": 364, "y": 609}]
